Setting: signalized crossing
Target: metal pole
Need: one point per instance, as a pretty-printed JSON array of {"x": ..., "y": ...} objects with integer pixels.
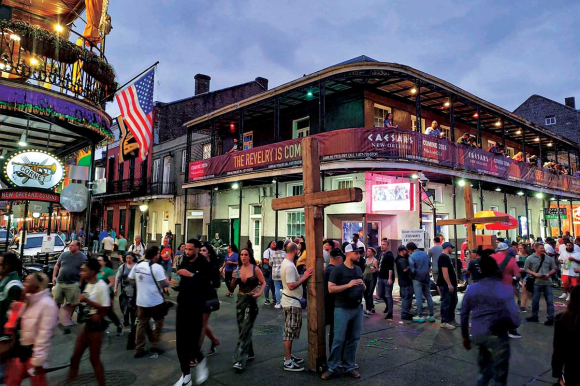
[
  {"x": 451, "y": 118},
  {"x": 454, "y": 194},
  {"x": 211, "y": 199},
  {"x": 505, "y": 202},
  {"x": 213, "y": 139},
  {"x": 524, "y": 143},
  {"x": 49, "y": 219},
  {"x": 321, "y": 107},
  {"x": 241, "y": 131},
  {"x": 276, "y": 213},
  {"x": 481, "y": 203},
  {"x": 420, "y": 207},
  {"x": 528, "y": 219},
  {"x": 559, "y": 217},
  {"x": 240, "y": 216},
  {"x": 545, "y": 219},
  {"x": 24, "y": 226},
  {"x": 322, "y": 209},
  {"x": 90, "y": 193},
  {"x": 569, "y": 163},
  {"x": 185, "y": 216},
  {"x": 479, "y": 141},
  {"x": 501, "y": 122},
  {"x": 277, "y": 121},
  {"x": 132, "y": 79},
  {"x": 9, "y": 225},
  {"x": 418, "y": 107}
]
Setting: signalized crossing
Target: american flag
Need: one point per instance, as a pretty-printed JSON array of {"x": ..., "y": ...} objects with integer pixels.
[{"x": 136, "y": 104}]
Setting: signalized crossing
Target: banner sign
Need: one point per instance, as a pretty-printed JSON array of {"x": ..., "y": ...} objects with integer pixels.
[
  {"x": 33, "y": 168},
  {"x": 383, "y": 144},
  {"x": 416, "y": 236},
  {"x": 128, "y": 146},
  {"x": 27, "y": 194}
]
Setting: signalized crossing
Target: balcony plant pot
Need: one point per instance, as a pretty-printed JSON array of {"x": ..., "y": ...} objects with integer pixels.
[{"x": 98, "y": 69}]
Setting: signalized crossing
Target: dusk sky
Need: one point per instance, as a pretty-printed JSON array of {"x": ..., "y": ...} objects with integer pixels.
[{"x": 503, "y": 52}]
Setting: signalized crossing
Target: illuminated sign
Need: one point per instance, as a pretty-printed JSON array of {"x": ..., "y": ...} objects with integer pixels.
[
  {"x": 33, "y": 169},
  {"x": 392, "y": 197},
  {"x": 26, "y": 194}
]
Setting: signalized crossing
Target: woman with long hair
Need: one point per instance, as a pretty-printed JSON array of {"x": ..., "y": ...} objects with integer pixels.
[
  {"x": 209, "y": 253},
  {"x": 566, "y": 342},
  {"x": 252, "y": 284},
  {"x": 107, "y": 275},
  {"x": 371, "y": 266},
  {"x": 230, "y": 264},
  {"x": 127, "y": 298},
  {"x": 97, "y": 299}
]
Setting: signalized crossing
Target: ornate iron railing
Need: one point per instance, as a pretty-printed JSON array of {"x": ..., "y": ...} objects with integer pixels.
[
  {"x": 138, "y": 187},
  {"x": 35, "y": 56}
]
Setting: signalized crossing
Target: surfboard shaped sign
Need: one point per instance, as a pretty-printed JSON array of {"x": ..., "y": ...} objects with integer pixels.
[{"x": 33, "y": 168}]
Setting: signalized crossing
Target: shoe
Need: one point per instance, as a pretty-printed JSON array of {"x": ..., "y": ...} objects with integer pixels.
[
  {"x": 549, "y": 322},
  {"x": 278, "y": 305},
  {"x": 563, "y": 296},
  {"x": 296, "y": 359},
  {"x": 266, "y": 302},
  {"x": 231, "y": 295},
  {"x": 447, "y": 326},
  {"x": 389, "y": 317},
  {"x": 328, "y": 375},
  {"x": 356, "y": 366},
  {"x": 157, "y": 350},
  {"x": 238, "y": 367},
  {"x": 385, "y": 311},
  {"x": 514, "y": 335},
  {"x": 201, "y": 372},
  {"x": 532, "y": 319},
  {"x": 353, "y": 374},
  {"x": 455, "y": 324},
  {"x": 523, "y": 309},
  {"x": 407, "y": 317},
  {"x": 213, "y": 349},
  {"x": 141, "y": 354},
  {"x": 366, "y": 314},
  {"x": 251, "y": 357},
  {"x": 431, "y": 319},
  {"x": 568, "y": 298},
  {"x": 373, "y": 311},
  {"x": 193, "y": 363},
  {"x": 66, "y": 331},
  {"x": 292, "y": 366},
  {"x": 418, "y": 319},
  {"x": 184, "y": 380},
  {"x": 119, "y": 330}
]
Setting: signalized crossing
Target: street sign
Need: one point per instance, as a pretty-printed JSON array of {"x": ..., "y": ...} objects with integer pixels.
[
  {"x": 416, "y": 236},
  {"x": 552, "y": 213},
  {"x": 74, "y": 197},
  {"x": 48, "y": 243}
]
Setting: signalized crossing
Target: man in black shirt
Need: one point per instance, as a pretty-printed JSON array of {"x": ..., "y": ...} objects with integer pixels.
[
  {"x": 405, "y": 282},
  {"x": 473, "y": 269},
  {"x": 386, "y": 278},
  {"x": 346, "y": 283},
  {"x": 194, "y": 289},
  {"x": 336, "y": 259},
  {"x": 447, "y": 283}
]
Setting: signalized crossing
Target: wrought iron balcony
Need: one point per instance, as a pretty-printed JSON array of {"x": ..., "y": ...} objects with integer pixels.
[
  {"x": 161, "y": 188},
  {"x": 35, "y": 56},
  {"x": 138, "y": 187}
]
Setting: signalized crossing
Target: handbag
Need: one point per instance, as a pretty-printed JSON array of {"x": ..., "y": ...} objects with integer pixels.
[
  {"x": 212, "y": 305},
  {"x": 166, "y": 305},
  {"x": 301, "y": 300},
  {"x": 531, "y": 280}
]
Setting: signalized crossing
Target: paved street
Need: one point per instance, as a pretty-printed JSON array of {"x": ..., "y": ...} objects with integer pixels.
[{"x": 408, "y": 354}]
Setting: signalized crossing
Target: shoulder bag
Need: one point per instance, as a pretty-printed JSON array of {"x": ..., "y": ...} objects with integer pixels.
[
  {"x": 531, "y": 280},
  {"x": 301, "y": 300},
  {"x": 166, "y": 305}
]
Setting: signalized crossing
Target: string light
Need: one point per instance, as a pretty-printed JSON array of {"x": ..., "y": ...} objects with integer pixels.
[{"x": 413, "y": 91}]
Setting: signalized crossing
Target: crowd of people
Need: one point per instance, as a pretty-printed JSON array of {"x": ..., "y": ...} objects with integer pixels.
[{"x": 89, "y": 286}]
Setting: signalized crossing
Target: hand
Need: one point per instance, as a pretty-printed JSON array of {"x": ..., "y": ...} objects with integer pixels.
[
  {"x": 451, "y": 288},
  {"x": 561, "y": 381},
  {"x": 83, "y": 298},
  {"x": 173, "y": 283},
  {"x": 467, "y": 343},
  {"x": 54, "y": 281},
  {"x": 389, "y": 282},
  {"x": 184, "y": 272},
  {"x": 256, "y": 295},
  {"x": 571, "y": 258},
  {"x": 115, "y": 292},
  {"x": 354, "y": 282},
  {"x": 308, "y": 273}
]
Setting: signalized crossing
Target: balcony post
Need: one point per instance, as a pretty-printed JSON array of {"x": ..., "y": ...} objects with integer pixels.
[
  {"x": 559, "y": 217},
  {"x": 211, "y": 199},
  {"x": 276, "y": 213},
  {"x": 544, "y": 217},
  {"x": 321, "y": 107},
  {"x": 451, "y": 118},
  {"x": 505, "y": 202},
  {"x": 8, "y": 224},
  {"x": 524, "y": 143},
  {"x": 418, "y": 107},
  {"x": 541, "y": 155},
  {"x": 556, "y": 154},
  {"x": 277, "y": 121},
  {"x": 454, "y": 194},
  {"x": 49, "y": 220},
  {"x": 481, "y": 203},
  {"x": 527, "y": 216},
  {"x": 577, "y": 159},
  {"x": 188, "y": 154},
  {"x": 240, "y": 216},
  {"x": 90, "y": 193},
  {"x": 241, "y": 130},
  {"x": 213, "y": 139},
  {"x": 569, "y": 163},
  {"x": 479, "y": 139},
  {"x": 501, "y": 123},
  {"x": 184, "y": 227}
]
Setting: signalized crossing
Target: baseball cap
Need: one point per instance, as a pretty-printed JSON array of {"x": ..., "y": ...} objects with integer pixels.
[
  {"x": 502, "y": 247},
  {"x": 447, "y": 244},
  {"x": 474, "y": 250},
  {"x": 352, "y": 248},
  {"x": 336, "y": 252}
]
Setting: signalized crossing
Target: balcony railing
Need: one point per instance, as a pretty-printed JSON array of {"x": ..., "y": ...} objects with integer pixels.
[
  {"x": 162, "y": 188},
  {"x": 36, "y": 56},
  {"x": 138, "y": 187}
]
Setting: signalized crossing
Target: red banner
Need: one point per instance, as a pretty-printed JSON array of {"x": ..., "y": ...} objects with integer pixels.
[
  {"x": 27, "y": 194},
  {"x": 379, "y": 143}
]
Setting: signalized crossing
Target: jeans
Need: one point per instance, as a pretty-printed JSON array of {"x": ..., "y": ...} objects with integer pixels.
[
  {"x": 493, "y": 359},
  {"x": 278, "y": 285},
  {"x": 188, "y": 326},
  {"x": 270, "y": 288},
  {"x": 407, "y": 299},
  {"x": 347, "y": 330},
  {"x": 422, "y": 291},
  {"x": 246, "y": 314},
  {"x": 95, "y": 246},
  {"x": 448, "y": 304},
  {"x": 386, "y": 291},
  {"x": 548, "y": 295},
  {"x": 368, "y": 294},
  {"x": 228, "y": 279}
]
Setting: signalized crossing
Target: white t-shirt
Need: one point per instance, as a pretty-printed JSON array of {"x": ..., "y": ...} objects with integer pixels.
[
  {"x": 290, "y": 274},
  {"x": 267, "y": 253},
  {"x": 98, "y": 293},
  {"x": 108, "y": 243},
  {"x": 562, "y": 248},
  {"x": 549, "y": 249},
  {"x": 360, "y": 244},
  {"x": 568, "y": 266},
  {"x": 147, "y": 293}
]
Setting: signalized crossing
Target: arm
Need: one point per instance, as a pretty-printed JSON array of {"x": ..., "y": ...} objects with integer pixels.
[
  {"x": 391, "y": 274},
  {"x": 112, "y": 281},
  {"x": 465, "y": 311},
  {"x": 262, "y": 284},
  {"x": 118, "y": 277},
  {"x": 298, "y": 283},
  {"x": 333, "y": 288},
  {"x": 445, "y": 272},
  {"x": 55, "y": 272}
]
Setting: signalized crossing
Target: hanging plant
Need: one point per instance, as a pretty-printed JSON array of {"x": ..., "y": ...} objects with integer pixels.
[{"x": 98, "y": 69}]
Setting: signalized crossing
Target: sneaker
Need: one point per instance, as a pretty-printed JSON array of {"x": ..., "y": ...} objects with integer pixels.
[
  {"x": 373, "y": 311},
  {"x": 212, "y": 350},
  {"x": 251, "y": 356},
  {"x": 549, "y": 322},
  {"x": 328, "y": 375},
  {"x": 568, "y": 298},
  {"x": 201, "y": 372},
  {"x": 431, "y": 319},
  {"x": 296, "y": 359},
  {"x": 266, "y": 302},
  {"x": 278, "y": 305},
  {"x": 514, "y": 335},
  {"x": 193, "y": 363},
  {"x": 454, "y": 323},
  {"x": 418, "y": 319},
  {"x": 523, "y": 309},
  {"x": 141, "y": 354},
  {"x": 407, "y": 317},
  {"x": 119, "y": 330},
  {"x": 292, "y": 366},
  {"x": 184, "y": 380},
  {"x": 385, "y": 311},
  {"x": 238, "y": 366},
  {"x": 389, "y": 317},
  {"x": 353, "y": 374},
  {"x": 532, "y": 319},
  {"x": 563, "y": 296},
  {"x": 366, "y": 314},
  {"x": 447, "y": 326},
  {"x": 157, "y": 350}
]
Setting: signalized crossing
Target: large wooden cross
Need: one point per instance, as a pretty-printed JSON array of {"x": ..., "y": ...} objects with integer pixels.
[
  {"x": 313, "y": 200},
  {"x": 469, "y": 219}
]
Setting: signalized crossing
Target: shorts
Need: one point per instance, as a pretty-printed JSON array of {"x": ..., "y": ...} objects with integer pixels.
[
  {"x": 66, "y": 293},
  {"x": 293, "y": 323},
  {"x": 569, "y": 282}
]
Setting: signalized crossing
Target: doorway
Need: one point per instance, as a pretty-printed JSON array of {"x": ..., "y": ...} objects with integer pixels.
[
  {"x": 131, "y": 229},
  {"x": 235, "y": 231},
  {"x": 256, "y": 236},
  {"x": 166, "y": 175}
]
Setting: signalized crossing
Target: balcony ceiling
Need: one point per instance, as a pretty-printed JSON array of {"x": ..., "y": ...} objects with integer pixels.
[{"x": 46, "y": 12}]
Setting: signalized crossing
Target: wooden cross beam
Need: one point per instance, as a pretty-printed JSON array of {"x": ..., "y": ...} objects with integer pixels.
[
  {"x": 469, "y": 219},
  {"x": 313, "y": 200}
]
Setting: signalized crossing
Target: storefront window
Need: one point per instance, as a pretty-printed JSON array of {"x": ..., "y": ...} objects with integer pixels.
[{"x": 295, "y": 224}]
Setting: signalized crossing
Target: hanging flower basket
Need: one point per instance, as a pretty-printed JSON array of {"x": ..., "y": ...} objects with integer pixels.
[{"x": 98, "y": 69}]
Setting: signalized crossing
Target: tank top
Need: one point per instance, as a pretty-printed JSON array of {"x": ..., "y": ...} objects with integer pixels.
[
  {"x": 368, "y": 264},
  {"x": 251, "y": 282}
]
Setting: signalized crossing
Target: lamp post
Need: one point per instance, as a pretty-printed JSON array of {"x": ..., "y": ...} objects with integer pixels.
[{"x": 143, "y": 209}]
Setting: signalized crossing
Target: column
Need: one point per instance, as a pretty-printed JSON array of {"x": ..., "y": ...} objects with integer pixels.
[
  {"x": 418, "y": 106},
  {"x": 213, "y": 139},
  {"x": 240, "y": 216},
  {"x": 503, "y": 133},
  {"x": 479, "y": 139},
  {"x": 241, "y": 130},
  {"x": 211, "y": 200},
  {"x": 481, "y": 202},
  {"x": 321, "y": 107},
  {"x": 569, "y": 163},
  {"x": 454, "y": 194},
  {"x": 276, "y": 213},
  {"x": 184, "y": 226},
  {"x": 528, "y": 219},
  {"x": 451, "y": 118},
  {"x": 24, "y": 227},
  {"x": 9, "y": 224},
  {"x": 523, "y": 142},
  {"x": 559, "y": 217},
  {"x": 90, "y": 194}
]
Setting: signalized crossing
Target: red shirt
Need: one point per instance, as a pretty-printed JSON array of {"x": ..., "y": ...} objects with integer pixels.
[{"x": 510, "y": 270}]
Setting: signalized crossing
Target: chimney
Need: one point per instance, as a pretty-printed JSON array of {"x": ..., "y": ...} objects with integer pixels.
[
  {"x": 570, "y": 102},
  {"x": 201, "y": 83},
  {"x": 262, "y": 82}
]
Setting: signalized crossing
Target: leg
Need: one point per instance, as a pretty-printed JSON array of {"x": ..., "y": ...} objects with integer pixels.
[
  {"x": 15, "y": 372},
  {"x": 95, "y": 341},
  {"x": 485, "y": 365},
  {"x": 418, "y": 289},
  {"x": 445, "y": 304},
  {"x": 452, "y": 305},
  {"x": 549, "y": 296},
  {"x": 75, "y": 360},
  {"x": 159, "y": 319},
  {"x": 389, "y": 296},
  {"x": 380, "y": 293},
  {"x": 407, "y": 298},
  {"x": 427, "y": 295},
  {"x": 536, "y": 300},
  {"x": 278, "y": 285},
  {"x": 330, "y": 335},
  {"x": 500, "y": 359},
  {"x": 113, "y": 316},
  {"x": 245, "y": 316},
  {"x": 352, "y": 338},
  {"x": 340, "y": 327},
  {"x": 143, "y": 317},
  {"x": 228, "y": 278},
  {"x": 272, "y": 288},
  {"x": 368, "y": 295},
  {"x": 373, "y": 286}
]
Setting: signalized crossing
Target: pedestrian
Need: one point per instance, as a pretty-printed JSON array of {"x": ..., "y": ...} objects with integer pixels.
[
  {"x": 301, "y": 264},
  {"x": 194, "y": 287},
  {"x": 37, "y": 320},
  {"x": 371, "y": 266},
  {"x": 405, "y": 282},
  {"x": 10, "y": 286},
  {"x": 540, "y": 267},
  {"x": 346, "y": 282},
  {"x": 95, "y": 240},
  {"x": 277, "y": 258},
  {"x": 388, "y": 124},
  {"x": 327, "y": 246},
  {"x": 212, "y": 303},
  {"x": 433, "y": 130},
  {"x": 216, "y": 242},
  {"x": 473, "y": 268},
  {"x": 127, "y": 299},
  {"x": 65, "y": 280},
  {"x": 419, "y": 264},
  {"x": 121, "y": 244},
  {"x": 166, "y": 256},
  {"x": 387, "y": 278},
  {"x": 505, "y": 258},
  {"x": 336, "y": 258},
  {"x": 138, "y": 248},
  {"x": 252, "y": 284},
  {"x": 566, "y": 342},
  {"x": 102, "y": 235},
  {"x": 447, "y": 283},
  {"x": 291, "y": 303},
  {"x": 149, "y": 278},
  {"x": 489, "y": 306},
  {"x": 107, "y": 275},
  {"x": 522, "y": 255},
  {"x": 230, "y": 264},
  {"x": 570, "y": 265},
  {"x": 434, "y": 252},
  {"x": 267, "y": 272},
  {"x": 96, "y": 297}
]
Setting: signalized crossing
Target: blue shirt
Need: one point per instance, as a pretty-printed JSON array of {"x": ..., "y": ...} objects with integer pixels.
[
  {"x": 492, "y": 308},
  {"x": 102, "y": 235},
  {"x": 419, "y": 264},
  {"x": 231, "y": 267},
  {"x": 388, "y": 122},
  {"x": 435, "y": 133}
]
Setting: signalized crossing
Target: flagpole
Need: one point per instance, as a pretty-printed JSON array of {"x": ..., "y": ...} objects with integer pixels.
[{"x": 120, "y": 88}]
